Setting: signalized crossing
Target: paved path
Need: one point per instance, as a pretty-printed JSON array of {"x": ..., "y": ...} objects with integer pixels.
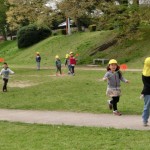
[{"x": 71, "y": 118}]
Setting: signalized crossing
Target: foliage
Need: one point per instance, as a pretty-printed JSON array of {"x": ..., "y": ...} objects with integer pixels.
[
  {"x": 3, "y": 24},
  {"x": 125, "y": 19},
  {"x": 29, "y": 35},
  {"x": 23, "y": 13},
  {"x": 77, "y": 10}
]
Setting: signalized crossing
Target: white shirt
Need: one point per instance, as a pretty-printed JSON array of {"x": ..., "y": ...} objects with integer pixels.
[{"x": 5, "y": 73}]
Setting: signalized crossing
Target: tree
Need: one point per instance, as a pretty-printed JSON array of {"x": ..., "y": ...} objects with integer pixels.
[
  {"x": 77, "y": 9},
  {"x": 125, "y": 19},
  {"x": 24, "y": 12},
  {"x": 3, "y": 24},
  {"x": 136, "y": 2}
]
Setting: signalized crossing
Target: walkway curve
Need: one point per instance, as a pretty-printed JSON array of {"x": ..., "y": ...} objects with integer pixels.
[{"x": 133, "y": 122}]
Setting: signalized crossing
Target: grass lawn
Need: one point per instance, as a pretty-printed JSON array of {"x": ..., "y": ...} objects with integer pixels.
[
  {"x": 42, "y": 90},
  {"x": 17, "y": 136}
]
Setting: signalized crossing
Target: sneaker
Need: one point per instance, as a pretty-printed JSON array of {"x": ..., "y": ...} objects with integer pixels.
[
  {"x": 145, "y": 124},
  {"x": 117, "y": 113},
  {"x": 109, "y": 104}
]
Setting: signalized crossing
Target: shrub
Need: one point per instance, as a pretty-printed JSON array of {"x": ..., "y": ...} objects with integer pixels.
[
  {"x": 31, "y": 34},
  {"x": 92, "y": 28}
]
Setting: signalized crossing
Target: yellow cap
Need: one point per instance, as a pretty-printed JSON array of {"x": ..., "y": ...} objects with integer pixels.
[
  {"x": 56, "y": 56},
  {"x": 67, "y": 55},
  {"x": 146, "y": 69},
  {"x": 37, "y": 53},
  {"x": 112, "y": 61},
  {"x": 71, "y": 53}
]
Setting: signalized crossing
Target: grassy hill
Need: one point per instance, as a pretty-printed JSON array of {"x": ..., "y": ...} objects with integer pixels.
[
  {"x": 132, "y": 52},
  {"x": 56, "y": 45}
]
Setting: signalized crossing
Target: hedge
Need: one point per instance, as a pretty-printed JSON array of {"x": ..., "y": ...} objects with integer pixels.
[{"x": 31, "y": 34}]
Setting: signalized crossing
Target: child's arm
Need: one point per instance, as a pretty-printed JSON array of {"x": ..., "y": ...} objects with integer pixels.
[
  {"x": 124, "y": 80},
  {"x": 11, "y": 72},
  {"x": 106, "y": 76}
]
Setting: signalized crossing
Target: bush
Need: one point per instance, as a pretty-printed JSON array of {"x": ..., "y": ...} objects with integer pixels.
[
  {"x": 92, "y": 28},
  {"x": 31, "y": 34}
]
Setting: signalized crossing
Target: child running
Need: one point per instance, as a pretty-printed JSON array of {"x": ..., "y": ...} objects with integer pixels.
[
  {"x": 58, "y": 65},
  {"x": 5, "y": 75},
  {"x": 146, "y": 90},
  {"x": 113, "y": 77}
]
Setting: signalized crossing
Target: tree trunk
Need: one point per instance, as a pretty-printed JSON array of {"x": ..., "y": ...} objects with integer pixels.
[
  {"x": 4, "y": 34},
  {"x": 135, "y": 2}
]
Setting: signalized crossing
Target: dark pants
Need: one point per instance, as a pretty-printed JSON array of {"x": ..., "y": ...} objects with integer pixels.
[
  {"x": 72, "y": 69},
  {"x": 5, "y": 84},
  {"x": 114, "y": 102},
  {"x": 58, "y": 69}
]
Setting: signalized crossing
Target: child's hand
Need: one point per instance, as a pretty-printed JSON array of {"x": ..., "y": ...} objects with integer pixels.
[
  {"x": 105, "y": 79},
  {"x": 141, "y": 96},
  {"x": 127, "y": 81}
]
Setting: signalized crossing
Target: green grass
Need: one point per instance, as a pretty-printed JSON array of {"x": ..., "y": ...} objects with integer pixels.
[
  {"x": 17, "y": 136},
  {"x": 81, "y": 93},
  {"x": 56, "y": 45},
  {"x": 132, "y": 52},
  {"x": 40, "y": 90}
]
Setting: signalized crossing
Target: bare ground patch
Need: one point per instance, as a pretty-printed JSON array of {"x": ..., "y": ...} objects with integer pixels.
[{"x": 22, "y": 84}]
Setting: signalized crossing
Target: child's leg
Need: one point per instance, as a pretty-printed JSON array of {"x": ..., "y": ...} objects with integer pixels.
[
  {"x": 59, "y": 68},
  {"x": 145, "y": 114},
  {"x": 5, "y": 84},
  {"x": 38, "y": 65},
  {"x": 114, "y": 102},
  {"x": 72, "y": 69}
]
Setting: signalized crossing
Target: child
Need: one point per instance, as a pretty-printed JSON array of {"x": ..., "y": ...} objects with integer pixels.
[
  {"x": 72, "y": 63},
  {"x": 58, "y": 65},
  {"x": 113, "y": 77},
  {"x": 67, "y": 62},
  {"x": 5, "y": 75},
  {"x": 146, "y": 90},
  {"x": 38, "y": 60}
]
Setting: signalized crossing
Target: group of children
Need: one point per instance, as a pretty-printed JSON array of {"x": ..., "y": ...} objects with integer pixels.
[
  {"x": 70, "y": 62},
  {"x": 113, "y": 77}
]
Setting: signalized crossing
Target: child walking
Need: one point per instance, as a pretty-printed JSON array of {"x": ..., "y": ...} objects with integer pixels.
[
  {"x": 113, "y": 77},
  {"x": 67, "y": 63},
  {"x": 58, "y": 65},
  {"x": 72, "y": 63},
  {"x": 5, "y": 75},
  {"x": 38, "y": 60},
  {"x": 146, "y": 90}
]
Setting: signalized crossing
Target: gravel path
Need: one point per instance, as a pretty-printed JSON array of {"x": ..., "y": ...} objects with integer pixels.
[{"x": 133, "y": 122}]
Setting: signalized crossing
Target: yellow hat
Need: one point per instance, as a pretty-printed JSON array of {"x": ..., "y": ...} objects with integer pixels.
[
  {"x": 112, "y": 61},
  {"x": 56, "y": 56},
  {"x": 71, "y": 53},
  {"x": 37, "y": 53},
  {"x": 146, "y": 69},
  {"x": 67, "y": 55}
]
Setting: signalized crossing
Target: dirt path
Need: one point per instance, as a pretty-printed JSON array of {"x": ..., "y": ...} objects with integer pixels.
[{"x": 71, "y": 118}]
